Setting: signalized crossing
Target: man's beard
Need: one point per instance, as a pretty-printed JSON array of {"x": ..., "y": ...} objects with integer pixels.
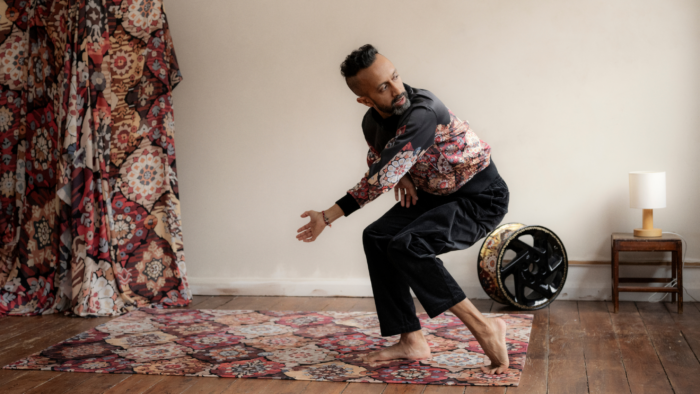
[{"x": 394, "y": 110}]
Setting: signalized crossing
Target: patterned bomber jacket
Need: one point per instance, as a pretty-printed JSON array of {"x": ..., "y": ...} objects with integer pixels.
[{"x": 440, "y": 151}]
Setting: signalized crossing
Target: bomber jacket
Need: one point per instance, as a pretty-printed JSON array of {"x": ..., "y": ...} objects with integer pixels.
[{"x": 439, "y": 150}]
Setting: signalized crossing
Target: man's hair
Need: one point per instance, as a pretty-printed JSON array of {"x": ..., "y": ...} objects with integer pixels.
[{"x": 356, "y": 61}]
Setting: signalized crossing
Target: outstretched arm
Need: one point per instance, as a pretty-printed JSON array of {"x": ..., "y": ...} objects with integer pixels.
[{"x": 385, "y": 171}]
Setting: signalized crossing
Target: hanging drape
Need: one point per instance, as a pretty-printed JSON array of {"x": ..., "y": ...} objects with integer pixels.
[{"x": 89, "y": 205}]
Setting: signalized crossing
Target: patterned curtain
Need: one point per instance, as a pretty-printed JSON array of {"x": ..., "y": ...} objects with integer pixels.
[{"x": 89, "y": 204}]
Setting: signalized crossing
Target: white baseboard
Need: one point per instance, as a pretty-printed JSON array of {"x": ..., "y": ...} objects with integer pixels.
[
  {"x": 583, "y": 283},
  {"x": 281, "y": 287}
]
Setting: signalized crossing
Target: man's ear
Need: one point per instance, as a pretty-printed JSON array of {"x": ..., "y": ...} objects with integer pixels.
[{"x": 366, "y": 101}]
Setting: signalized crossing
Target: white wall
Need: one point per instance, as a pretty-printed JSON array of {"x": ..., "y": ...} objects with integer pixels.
[{"x": 571, "y": 95}]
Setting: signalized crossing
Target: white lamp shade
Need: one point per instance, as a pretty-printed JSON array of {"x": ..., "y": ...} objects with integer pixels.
[{"x": 647, "y": 189}]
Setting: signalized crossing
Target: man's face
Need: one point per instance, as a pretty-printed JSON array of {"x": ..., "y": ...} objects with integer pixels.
[{"x": 383, "y": 88}]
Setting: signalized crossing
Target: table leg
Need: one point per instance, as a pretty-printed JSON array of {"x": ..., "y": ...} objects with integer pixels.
[
  {"x": 678, "y": 254},
  {"x": 674, "y": 269},
  {"x": 615, "y": 279}
]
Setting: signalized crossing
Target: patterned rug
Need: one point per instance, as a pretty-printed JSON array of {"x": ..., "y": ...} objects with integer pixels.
[{"x": 291, "y": 345}]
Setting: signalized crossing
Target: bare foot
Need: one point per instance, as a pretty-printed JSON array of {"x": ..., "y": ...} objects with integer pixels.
[
  {"x": 490, "y": 332},
  {"x": 493, "y": 341},
  {"x": 412, "y": 346}
]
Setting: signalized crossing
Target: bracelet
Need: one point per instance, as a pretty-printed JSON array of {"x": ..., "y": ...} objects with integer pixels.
[{"x": 326, "y": 219}]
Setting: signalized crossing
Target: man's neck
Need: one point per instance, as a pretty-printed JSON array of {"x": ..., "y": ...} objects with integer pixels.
[{"x": 382, "y": 114}]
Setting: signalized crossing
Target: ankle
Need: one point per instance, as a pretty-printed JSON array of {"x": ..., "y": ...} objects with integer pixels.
[
  {"x": 465, "y": 310},
  {"x": 413, "y": 338}
]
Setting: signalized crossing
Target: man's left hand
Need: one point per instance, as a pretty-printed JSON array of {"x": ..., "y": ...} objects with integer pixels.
[{"x": 407, "y": 190}]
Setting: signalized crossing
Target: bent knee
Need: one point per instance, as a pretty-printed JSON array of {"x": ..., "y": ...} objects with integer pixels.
[
  {"x": 408, "y": 245},
  {"x": 374, "y": 238},
  {"x": 368, "y": 234},
  {"x": 398, "y": 243}
]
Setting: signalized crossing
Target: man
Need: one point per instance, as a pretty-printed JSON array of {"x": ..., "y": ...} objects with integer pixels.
[{"x": 416, "y": 142}]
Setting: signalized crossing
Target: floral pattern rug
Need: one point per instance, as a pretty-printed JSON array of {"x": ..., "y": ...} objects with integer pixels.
[{"x": 289, "y": 345}]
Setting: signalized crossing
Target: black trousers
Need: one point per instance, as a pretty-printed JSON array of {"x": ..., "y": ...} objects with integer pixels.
[{"x": 402, "y": 245}]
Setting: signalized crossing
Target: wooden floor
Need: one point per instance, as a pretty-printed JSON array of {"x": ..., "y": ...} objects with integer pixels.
[{"x": 575, "y": 347}]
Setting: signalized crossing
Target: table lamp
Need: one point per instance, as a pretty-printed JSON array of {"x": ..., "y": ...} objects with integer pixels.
[{"x": 647, "y": 192}]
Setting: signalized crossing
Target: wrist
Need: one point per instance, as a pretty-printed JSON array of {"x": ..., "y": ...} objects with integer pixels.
[{"x": 334, "y": 213}]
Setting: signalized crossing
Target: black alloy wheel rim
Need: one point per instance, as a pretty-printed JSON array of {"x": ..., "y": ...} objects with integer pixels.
[{"x": 538, "y": 271}]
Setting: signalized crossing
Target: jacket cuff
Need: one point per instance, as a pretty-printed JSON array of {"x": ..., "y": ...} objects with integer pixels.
[{"x": 348, "y": 204}]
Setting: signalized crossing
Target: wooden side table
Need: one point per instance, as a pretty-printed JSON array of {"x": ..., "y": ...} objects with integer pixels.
[{"x": 627, "y": 242}]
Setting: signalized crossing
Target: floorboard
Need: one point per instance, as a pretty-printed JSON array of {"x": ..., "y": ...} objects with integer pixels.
[
  {"x": 196, "y": 300},
  {"x": 365, "y": 304},
  {"x": 485, "y": 390},
  {"x": 284, "y": 386},
  {"x": 28, "y": 331},
  {"x": 249, "y": 386},
  {"x": 364, "y": 388},
  {"x": 36, "y": 340},
  {"x": 173, "y": 385},
  {"x": 679, "y": 362},
  {"x": 325, "y": 388},
  {"x": 257, "y": 303},
  {"x": 215, "y": 302},
  {"x": 210, "y": 386},
  {"x": 29, "y": 381},
  {"x": 604, "y": 368},
  {"x": 66, "y": 381},
  {"x": 97, "y": 383},
  {"x": 403, "y": 389},
  {"x": 18, "y": 325},
  {"x": 435, "y": 389},
  {"x": 644, "y": 371},
  {"x": 341, "y": 304},
  {"x": 567, "y": 365},
  {"x": 137, "y": 383},
  {"x": 689, "y": 324}
]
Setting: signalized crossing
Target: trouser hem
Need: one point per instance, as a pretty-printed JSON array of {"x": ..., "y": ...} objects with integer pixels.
[
  {"x": 400, "y": 330},
  {"x": 433, "y": 312}
]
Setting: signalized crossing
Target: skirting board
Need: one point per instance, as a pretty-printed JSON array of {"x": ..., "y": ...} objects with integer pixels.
[{"x": 584, "y": 282}]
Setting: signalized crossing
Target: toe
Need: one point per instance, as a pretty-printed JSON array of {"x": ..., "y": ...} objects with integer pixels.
[
  {"x": 491, "y": 370},
  {"x": 487, "y": 370}
]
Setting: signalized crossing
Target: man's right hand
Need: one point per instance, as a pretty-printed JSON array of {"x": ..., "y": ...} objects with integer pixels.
[
  {"x": 310, "y": 231},
  {"x": 407, "y": 190}
]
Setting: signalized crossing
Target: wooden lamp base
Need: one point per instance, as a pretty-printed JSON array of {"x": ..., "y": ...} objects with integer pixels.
[
  {"x": 652, "y": 233},
  {"x": 648, "y": 229}
]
